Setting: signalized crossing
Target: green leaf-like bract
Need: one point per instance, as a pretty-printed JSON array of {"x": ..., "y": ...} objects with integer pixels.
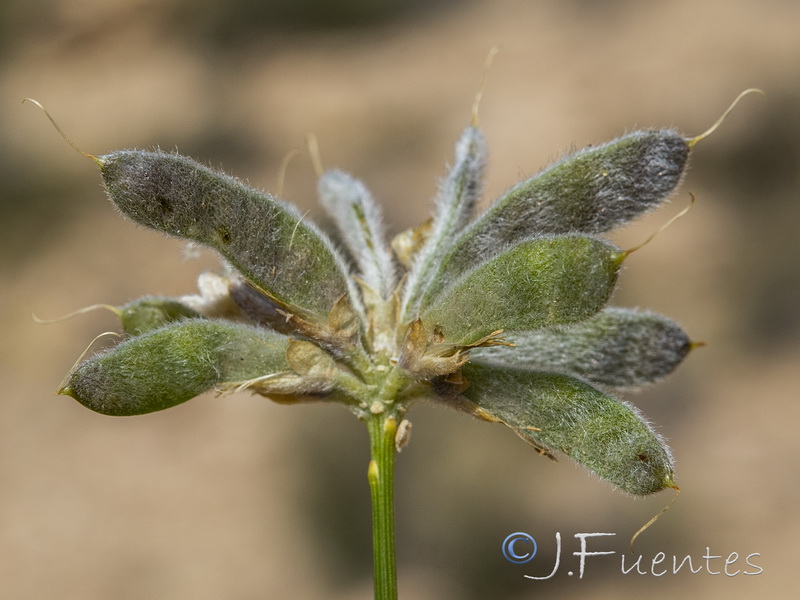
[
  {"x": 173, "y": 364},
  {"x": 540, "y": 282},
  {"x": 617, "y": 347},
  {"x": 267, "y": 240},
  {"x": 562, "y": 413},
  {"x": 591, "y": 191}
]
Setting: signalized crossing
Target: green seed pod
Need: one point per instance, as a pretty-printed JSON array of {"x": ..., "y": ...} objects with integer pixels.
[
  {"x": 598, "y": 188},
  {"x": 617, "y": 347},
  {"x": 151, "y": 312},
  {"x": 264, "y": 238},
  {"x": 558, "y": 412},
  {"x": 455, "y": 203},
  {"x": 360, "y": 225},
  {"x": 537, "y": 283},
  {"x": 591, "y": 191},
  {"x": 173, "y": 364}
]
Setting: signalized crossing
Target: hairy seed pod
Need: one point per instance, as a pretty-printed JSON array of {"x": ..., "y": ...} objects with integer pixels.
[
  {"x": 591, "y": 191},
  {"x": 173, "y": 364},
  {"x": 265, "y": 239},
  {"x": 558, "y": 412},
  {"x": 617, "y": 347},
  {"x": 537, "y": 283},
  {"x": 151, "y": 312},
  {"x": 600, "y": 187}
]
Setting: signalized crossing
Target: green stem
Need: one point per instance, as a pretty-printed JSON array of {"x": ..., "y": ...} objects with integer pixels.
[{"x": 382, "y": 430}]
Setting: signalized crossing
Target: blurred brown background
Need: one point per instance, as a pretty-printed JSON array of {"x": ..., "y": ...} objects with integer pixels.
[{"x": 240, "y": 498}]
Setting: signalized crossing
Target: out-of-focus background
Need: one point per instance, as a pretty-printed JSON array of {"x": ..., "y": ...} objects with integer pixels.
[{"x": 240, "y": 498}]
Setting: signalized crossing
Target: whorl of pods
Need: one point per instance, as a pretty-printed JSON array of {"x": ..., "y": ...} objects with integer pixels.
[{"x": 503, "y": 315}]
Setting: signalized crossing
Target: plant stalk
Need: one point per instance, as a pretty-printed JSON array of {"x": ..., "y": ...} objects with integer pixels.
[{"x": 382, "y": 430}]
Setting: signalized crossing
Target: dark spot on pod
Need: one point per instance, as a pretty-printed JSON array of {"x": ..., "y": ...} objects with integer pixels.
[
  {"x": 164, "y": 204},
  {"x": 224, "y": 234}
]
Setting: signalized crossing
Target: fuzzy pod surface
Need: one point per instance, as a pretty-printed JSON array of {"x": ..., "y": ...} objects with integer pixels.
[
  {"x": 591, "y": 191},
  {"x": 540, "y": 282},
  {"x": 173, "y": 364},
  {"x": 598, "y": 431},
  {"x": 618, "y": 347},
  {"x": 267, "y": 240},
  {"x": 151, "y": 312}
]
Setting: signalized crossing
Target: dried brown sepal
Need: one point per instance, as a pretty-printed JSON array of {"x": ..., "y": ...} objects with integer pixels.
[
  {"x": 340, "y": 330},
  {"x": 425, "y": 356},
  {"x": 309, "y": 360},
  {"x": 344, "y": 324}
]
